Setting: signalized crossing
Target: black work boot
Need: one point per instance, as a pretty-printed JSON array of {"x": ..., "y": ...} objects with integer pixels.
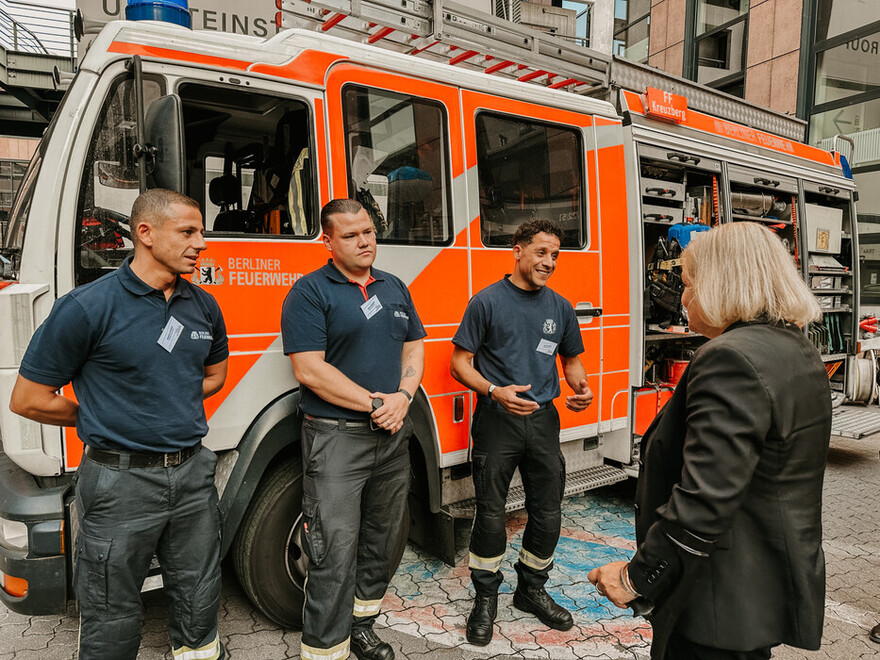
[
  {"x": 367, "y": 646},
  {"x": 538, "y": 602},
  {"x": 481, "y": 622},
  {"x": 875, "y": 634}
]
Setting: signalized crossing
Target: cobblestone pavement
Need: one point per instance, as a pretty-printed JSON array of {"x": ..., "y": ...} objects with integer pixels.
[{"x": 425, "y": 609}]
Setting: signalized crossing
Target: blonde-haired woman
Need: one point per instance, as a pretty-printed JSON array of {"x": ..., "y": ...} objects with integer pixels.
[{"x": 728, "y": 504}]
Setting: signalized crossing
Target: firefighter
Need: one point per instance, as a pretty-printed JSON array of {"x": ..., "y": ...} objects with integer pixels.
[
  {"x": 355, "y": 341},
  {"x": 143, "y": 347},
  {"x": 505, "y": 350}
]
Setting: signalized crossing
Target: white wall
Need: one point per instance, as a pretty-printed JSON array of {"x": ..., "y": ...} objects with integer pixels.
[{"x": 603, "y": 26}]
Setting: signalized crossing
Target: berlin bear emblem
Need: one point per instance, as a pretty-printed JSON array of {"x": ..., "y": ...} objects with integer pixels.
[
  {"x": 549, "y": 327},
  {"x": 207, "y": 272}
]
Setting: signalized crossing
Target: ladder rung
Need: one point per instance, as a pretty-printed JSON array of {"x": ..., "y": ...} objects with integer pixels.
[
  {"x": 418, "y": 50},
  {"x": 380, "y": 34},
  {"x": 332, "y": 21},
  {"x": 463, "y": 56},
  {"x": 532, "y": 75},
  {"x": 499, "y": 66}
]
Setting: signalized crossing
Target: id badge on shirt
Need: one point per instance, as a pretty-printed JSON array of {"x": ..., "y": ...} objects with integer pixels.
[
  {"x": 547, "y": 347},
  {"x": 371, "y": 307},
  {"x": 170, "y": 334}
]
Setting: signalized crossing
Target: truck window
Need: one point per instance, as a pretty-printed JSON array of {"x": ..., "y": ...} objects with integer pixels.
[
  {"x": 110, "y": 183},
  {"x": 527, "y": 170},
  {"x": 398, "y": 164},
  {"x": 248, "y": 161}
]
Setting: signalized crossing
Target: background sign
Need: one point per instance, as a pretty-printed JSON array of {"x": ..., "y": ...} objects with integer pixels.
[{"x": 256, "y": 19}]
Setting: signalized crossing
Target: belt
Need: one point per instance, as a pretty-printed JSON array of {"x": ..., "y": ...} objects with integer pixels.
[
  {"x": 342, "y": 424},
  {"x": 142, "y": 459}
]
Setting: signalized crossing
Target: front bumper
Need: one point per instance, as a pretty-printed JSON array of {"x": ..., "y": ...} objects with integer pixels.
[{"x": 44, "y": 563}]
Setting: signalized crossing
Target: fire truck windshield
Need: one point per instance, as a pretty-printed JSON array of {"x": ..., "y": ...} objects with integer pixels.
[
  {"x": 13, "y": 238},
  {"x": 18, "y": 217}
]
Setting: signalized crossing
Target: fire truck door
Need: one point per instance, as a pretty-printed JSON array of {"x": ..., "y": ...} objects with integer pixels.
[
  {"x": 529, "y": 161},
  {"x": 396, "y": 147}
]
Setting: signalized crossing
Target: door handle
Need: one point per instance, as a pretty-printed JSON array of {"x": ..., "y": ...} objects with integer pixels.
[{"x": 458, "y": 408}]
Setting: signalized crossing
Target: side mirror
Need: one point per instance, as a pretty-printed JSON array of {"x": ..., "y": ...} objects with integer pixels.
[{"x": 163, "y": 129}]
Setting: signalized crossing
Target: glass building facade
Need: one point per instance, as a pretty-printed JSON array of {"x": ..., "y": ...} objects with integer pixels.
[
  {"x": 843, "y": 98},
  {"x": 632, "y": 20}
]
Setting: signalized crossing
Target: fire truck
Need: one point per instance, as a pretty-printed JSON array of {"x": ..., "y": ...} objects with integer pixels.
[{"x": 452, "y": 127}]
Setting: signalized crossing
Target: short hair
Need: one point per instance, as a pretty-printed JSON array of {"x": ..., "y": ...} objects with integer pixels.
[
  {"x": 530, "y": 228},
  {"x": 154, "y": 206},
  {"x": 741, "y": 271},
  {"x": 338, "y": 206}
]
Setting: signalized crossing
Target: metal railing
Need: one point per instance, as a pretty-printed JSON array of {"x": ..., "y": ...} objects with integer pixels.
[{"x": 27, "y": 28}]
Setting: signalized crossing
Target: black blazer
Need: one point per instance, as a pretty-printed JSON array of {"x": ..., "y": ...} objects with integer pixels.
[{"x": 728, "y": 504}]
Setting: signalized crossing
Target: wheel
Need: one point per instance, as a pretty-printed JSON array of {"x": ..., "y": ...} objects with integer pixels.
[{"x": 268, "y": 557}]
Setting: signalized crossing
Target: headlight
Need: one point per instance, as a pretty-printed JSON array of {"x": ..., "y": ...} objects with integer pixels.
[{"x": 13, "y": 534}]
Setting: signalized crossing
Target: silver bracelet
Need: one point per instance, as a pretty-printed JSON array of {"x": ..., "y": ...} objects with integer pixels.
[{"x": 627, "y": 584}]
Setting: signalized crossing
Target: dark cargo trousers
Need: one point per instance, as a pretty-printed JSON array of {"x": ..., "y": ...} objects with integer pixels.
[
  {"x": 354, "y": 496},
  {"x": 502, "y": 443},
  {"x": 127, "y": 515}
]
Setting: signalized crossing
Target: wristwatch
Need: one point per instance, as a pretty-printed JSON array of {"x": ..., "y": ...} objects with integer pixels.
[
  {"x": 491, "y": 389},
  {"x": 405, "y": 393}
]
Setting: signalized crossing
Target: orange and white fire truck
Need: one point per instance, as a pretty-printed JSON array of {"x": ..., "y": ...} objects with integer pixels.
[{"x": 453, "y": 128}]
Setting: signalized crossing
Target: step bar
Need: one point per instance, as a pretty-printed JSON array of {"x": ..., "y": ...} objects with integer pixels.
[{"x": 575, "y": 483}]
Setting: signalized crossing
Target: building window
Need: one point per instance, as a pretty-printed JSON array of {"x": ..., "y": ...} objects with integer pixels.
[
  {"x": 837, "y": 17},
  {"x": 846, "y": 76},
  {"x": 720, "y": 38},
  {"x": 583, "y": 20},
  {"x": 632, "y": 19}
]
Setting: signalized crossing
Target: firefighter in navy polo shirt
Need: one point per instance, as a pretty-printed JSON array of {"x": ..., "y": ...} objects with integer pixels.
[
  {"x": 505, "y": 350},
  {"x": 355, "y": 341},
  {"x": 143, "y": 348}
]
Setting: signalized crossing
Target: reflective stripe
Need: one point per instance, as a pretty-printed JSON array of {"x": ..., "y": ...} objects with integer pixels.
[
  {"x": 338, "y": 652},
  {"x": 366, "y": 607},
  {"x": 492, "y": 564},
  {"x": 210, "y": 651},
  {"x": 533, "y": 561}
]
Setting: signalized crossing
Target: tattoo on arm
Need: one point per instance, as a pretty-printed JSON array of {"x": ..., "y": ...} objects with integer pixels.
[{"x": 409, "y": 372}]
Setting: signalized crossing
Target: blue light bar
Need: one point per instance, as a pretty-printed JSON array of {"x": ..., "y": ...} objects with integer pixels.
[{"x": 170, "y": 11}]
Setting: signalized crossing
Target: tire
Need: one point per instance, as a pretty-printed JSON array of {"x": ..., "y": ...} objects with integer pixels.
[
  {"x": 268, "y": 555},
  {"x": 268, "y": 558}
]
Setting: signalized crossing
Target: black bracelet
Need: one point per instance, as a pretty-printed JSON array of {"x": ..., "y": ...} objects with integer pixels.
[{"x": 406, "y": 394}]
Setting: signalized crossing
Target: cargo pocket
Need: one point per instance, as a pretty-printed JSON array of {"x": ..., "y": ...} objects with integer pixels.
[
  {"x": 90, "y": 571},
  {"x": 479, "y": 470},
  {"x": 313, "y": 534},
  {"x": 561, "y": 476},
  {"x": 205, "y": 605}
]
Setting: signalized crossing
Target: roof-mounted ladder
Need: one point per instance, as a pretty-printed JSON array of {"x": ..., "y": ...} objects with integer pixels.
[{"x": 459, "y": 35}]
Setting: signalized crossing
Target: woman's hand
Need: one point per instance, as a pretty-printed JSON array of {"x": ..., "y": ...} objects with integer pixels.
[{"x": 608, "y": 583}]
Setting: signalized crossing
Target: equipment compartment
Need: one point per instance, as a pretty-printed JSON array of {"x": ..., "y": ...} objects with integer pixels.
[{"x": 832, "y": 276}]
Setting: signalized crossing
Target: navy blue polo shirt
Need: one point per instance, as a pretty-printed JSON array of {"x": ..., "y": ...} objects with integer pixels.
[
  {"x": 515, "y": 336},
  {"x": 134, "y": 395},
  {"x": 324, "y": 311}
]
